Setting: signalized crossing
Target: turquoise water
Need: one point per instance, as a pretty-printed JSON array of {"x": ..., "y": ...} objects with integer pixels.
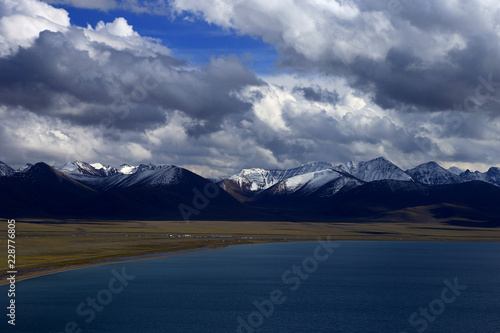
[{"x": 286, "y": 287}]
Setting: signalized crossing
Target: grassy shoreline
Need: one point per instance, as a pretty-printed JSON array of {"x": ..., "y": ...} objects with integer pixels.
[
  {"x": 37, "y": 272},
  {"x": 47, "y": 247}
]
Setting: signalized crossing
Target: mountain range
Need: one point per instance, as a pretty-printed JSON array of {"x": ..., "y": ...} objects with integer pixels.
[{"x": 355, "y": 191}]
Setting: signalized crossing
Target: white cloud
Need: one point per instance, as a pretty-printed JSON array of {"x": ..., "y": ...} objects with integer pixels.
[
  {"x": 434, "y": 45},
  {"x": 34, "y": 139},
  {"x": 121, "y": 36},
  {"x": 270, "y": 107},
  {"x": 322, "y": 29},
  {"x": 311, "y": 135},
  {"x": 21, "y": 22},
  {"x": 119, "y": 27},
  {"x": 136, "y": 152},
  {"x": 172, "y": 133}
]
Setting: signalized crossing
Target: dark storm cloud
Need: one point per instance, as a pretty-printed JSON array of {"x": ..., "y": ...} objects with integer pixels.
[
  {"x": 317, "y": 94},
  {"x": 413, "y": 56},
  {"x": 317, "y": 136},
  {"x": 399, "y": 83},
  {"x": 129, "y": 91},
  {"x": 33, "y": 77},
  {"x": 463, "y": 125},
  {"x": 470, "y": 152},
  {"x": 465, "y": 80},
  {"x": 157, "y": 7},
  {"x": 206, "y": 94}
]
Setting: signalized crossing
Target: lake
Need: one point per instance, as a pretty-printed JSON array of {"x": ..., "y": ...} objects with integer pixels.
[{"x": 282, "y": 287}]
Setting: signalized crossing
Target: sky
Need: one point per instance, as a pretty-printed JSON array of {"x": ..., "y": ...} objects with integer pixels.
[{"x": 219, "y": 85}]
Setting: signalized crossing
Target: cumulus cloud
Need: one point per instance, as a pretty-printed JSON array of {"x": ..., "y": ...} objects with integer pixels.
[
  {"x": 111, "y": 76},
  {"x": 110, "y": 80},
  {"x": 424, "y": 56},
  {"x": 22, "y": 21}
]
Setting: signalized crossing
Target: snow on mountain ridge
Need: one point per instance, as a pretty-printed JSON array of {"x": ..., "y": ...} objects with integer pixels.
[
  {"x": 84, "y": 168},
  {"x": 127, "y": 169},
  {"x": 5, "y": 170},
  {"x": 491, "y": 176},
  {"x": 455, "y": 170},
  {"x": 97, "y": 166},
  {"x": 258, "y": 179},
  {"x": 308, "y": 183},
  {"x": 431, "y": 173},
  {"x": 252, "y": 179},
  {"x": 150, "y": 177},
  {"x": 164, "y": 175},
  {"x": 294, "y": 183},
  {"x": 377, "y": 169},
  {"x": 104, "y": 170},
  {"x": 80, "y": 167},
  {"x": 98, "y": 169}
]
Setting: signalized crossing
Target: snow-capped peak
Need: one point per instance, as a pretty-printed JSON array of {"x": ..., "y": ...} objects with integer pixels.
[
  {"x": 491, "y": 176},
  {"x": 377, "y": 169},
  {"x": 258, "y": 179},
  {"x": 307, "y": 183},
  {"x": 432, "y": 173},
  {"x": 158, "y": 176},
  {"x": 253, "y": 179},
  {"x": 127, "y": 169},
  {"x": 84, "y": 168},
  {"x": 455, "y": 170},
  {"x": 78, "y": 167},
  {"x": 97, "y": 166},
  {"x": 104, "y": 170}
]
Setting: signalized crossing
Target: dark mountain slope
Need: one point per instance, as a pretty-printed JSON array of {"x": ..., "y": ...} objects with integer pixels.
[
  {"x": 167, "y": 193},
  {"x": 42, "y": 191},
  {"x": 475, "y": 200}
]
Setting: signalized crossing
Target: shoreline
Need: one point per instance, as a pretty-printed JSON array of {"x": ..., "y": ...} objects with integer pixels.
[
  {"x": 57, "y": 246},
  {"x": 38, "y": 272}
]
